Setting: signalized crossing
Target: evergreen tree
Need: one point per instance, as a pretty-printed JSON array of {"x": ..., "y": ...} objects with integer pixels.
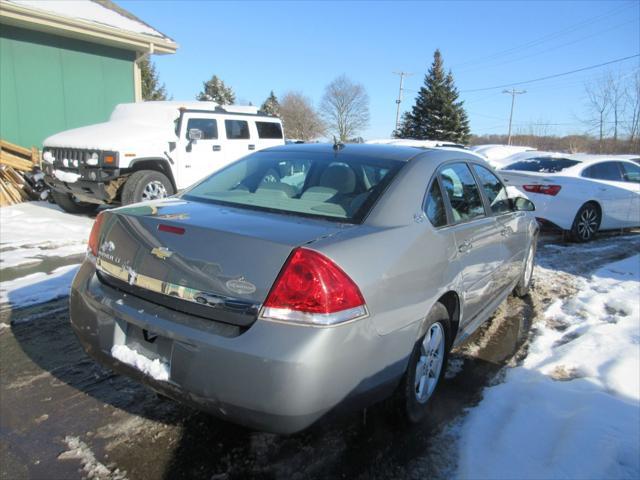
[
  {"x": 271, "y": 106},
  {"x": 215, "y": 90},
  {"x": 151, "y": 87},
  {"x": 437, "y": 114}
]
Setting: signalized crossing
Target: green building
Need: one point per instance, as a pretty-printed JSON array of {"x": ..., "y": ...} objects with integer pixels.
[{"x": 67, "y": 64}]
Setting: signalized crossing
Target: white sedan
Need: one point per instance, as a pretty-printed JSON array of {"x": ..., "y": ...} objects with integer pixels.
[{"x": 580, "y": 194}]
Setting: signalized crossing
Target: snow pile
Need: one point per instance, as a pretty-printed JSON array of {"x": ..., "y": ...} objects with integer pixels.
[
  {"x": 32, "y": 231},
  {"x": 68, "y": 177},
  {"x": 37, "y": 288},
  {"x": 91, "y": 12},
  {"x": 154, "y": 368},
  {"x": 572, "y": 410},
  {"x": 495, "y": 154},
  {"x": 79, "y": 450},
  {"x": 39, "y": 236}
]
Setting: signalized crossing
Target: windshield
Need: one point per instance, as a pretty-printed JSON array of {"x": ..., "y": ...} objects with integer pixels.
[
  {"x": 323, "y": 185},
  {"x": 542, "y": 164}
]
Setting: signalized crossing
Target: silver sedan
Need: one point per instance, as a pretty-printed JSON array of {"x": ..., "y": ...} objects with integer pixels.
[{"x": 305, "y": 278}]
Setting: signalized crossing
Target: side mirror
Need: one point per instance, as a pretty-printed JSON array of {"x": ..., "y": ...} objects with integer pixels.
[
  {"x": 522, "y": 204},
  {"x": 194, "y": 134}
]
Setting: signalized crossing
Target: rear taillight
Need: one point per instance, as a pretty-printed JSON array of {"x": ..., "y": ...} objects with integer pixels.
[
  {"x": 311, "y": 289},
  {"x": 543, "y": 189},
  {"x": 94, "y": 236}
]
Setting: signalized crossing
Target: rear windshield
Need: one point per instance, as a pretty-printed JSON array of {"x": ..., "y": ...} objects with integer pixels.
[
  {"x": 542, "y": 164},
  {"x": 341, "y": 188}
]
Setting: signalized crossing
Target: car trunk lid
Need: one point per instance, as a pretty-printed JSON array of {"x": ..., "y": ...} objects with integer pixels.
[
  {"x": 517, "y": 179},
  {"x": 208, "y": 260}
]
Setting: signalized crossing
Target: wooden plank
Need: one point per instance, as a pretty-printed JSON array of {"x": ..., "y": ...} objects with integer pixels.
[
  {"x": 15, "y": 148},
  {"x": 5, "y": 200},
  {"x": 19, "y": 194},
  {"x": 13, "y": 196},
  {"x": 15, "y": 177},
  {"x": 15, "y": 161},
  {"x": 35, "y": 156},
  {"x": 12, "y": 175}
]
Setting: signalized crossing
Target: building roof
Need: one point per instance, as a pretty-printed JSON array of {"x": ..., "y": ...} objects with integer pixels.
[{"x": 98, "y": 21}]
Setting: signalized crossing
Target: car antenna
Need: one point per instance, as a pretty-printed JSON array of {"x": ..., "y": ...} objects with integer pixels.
[{"x": 337, "y": 145}]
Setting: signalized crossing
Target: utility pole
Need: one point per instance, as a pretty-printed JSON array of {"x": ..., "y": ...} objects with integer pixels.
[
  {"x": 399, "y": 100},
  {"x": 513, "y": 92}
]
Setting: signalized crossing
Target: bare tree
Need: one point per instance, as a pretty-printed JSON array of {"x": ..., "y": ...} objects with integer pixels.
[
  {"x": 632, "y": 101},
  {"x": 599, "y": 105},
  {"x": 345, "y": 108},
  {"x": 300, "y": 119},
  {"x": 617, "y": 98}
]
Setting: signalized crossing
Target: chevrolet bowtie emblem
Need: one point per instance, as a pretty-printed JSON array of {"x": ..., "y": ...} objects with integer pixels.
[{"x": 161, "y": 252}]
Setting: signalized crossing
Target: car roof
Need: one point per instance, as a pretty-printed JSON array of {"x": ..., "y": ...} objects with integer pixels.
[
  {"x": 382, "y": 151},
  {"x": 390, "y": 152},
  {"x": 592, "y": 158}
]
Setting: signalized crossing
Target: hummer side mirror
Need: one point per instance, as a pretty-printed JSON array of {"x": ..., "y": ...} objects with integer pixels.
[{"x": 194, "y": 134}]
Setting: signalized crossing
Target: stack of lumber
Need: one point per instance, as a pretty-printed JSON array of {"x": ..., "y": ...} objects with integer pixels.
[{"x": 15, "y": 163}]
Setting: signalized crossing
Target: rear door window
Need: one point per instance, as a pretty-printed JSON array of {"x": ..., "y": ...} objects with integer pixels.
[
  {"x": 462, "y": 191},
  {"x": 604, "y": 171},
  {"x": 269, "y": 130},
  {"x": 434, "y": 206},
  {"x": 630, "y": 172},
  {"x": 237, "y": 129},
  {"x": 494, "y": 190}
]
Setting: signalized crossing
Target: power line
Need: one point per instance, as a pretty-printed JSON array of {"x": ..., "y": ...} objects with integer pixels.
[
  {"x": 545, "y": 38},
  {"x": 551, "y": 76},
  {"x": 551, "y": 49}
]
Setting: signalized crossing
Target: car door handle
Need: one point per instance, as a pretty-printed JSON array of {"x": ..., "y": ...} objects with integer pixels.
[
  {"x": 252, "y": 147},
  {"x": 464, "y": 247},
  {"x": 505, "y": 232},
  {"x": 217, "y": 148}
]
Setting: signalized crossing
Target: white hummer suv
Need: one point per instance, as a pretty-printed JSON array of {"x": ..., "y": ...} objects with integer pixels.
[{"x": 151, "y": 150}]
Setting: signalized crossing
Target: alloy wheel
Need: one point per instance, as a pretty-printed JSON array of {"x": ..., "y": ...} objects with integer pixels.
[
  {"x": 430, "y": 363},
  {"x": 154, "y": 190},
  {"x": 587, "y": 223}
]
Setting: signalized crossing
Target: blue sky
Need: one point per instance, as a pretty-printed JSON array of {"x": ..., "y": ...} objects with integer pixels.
[{"x": 259, "y": 46}]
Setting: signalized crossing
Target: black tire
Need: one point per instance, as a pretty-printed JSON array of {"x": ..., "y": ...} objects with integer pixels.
[
  {"x": 71, "y": 205},
  {"x": 406, "y": 398},
  {"x": 587, "y": 223},
  {"x": 136, "y": 188},
  {"x": 526, "y": 278}
]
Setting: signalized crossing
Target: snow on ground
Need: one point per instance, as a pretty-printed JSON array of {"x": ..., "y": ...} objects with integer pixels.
[
  {"x": 154, "y": 368},
  {"x": 32, "y": 231},
  {"x": 79, "y": 450},
  {"x": 38, "y": 242},
  {"x": 572, "y": 409},
  {"x": 37, "y": 288}
]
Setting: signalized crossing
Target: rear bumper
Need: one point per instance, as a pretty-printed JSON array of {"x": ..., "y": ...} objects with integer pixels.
[
  {"x": 271, "y": 377},
  {"x": 553, "y": 212}
]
